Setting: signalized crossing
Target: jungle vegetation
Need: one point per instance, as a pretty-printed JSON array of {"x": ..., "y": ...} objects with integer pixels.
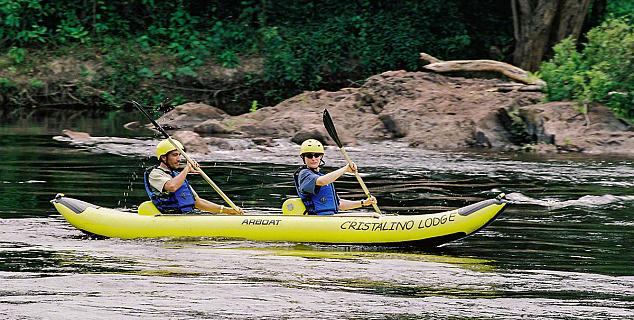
[{"x": 234, "y": 54}]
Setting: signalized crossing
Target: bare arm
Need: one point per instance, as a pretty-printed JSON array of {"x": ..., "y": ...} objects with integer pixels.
[
  {"x": 201, "y": 204},
  {"x": 332, "y": 176},
  {"x": 209, "y": 206},
  {"x": 350, "y": 204},
  {"x": 175, "y": 183}
]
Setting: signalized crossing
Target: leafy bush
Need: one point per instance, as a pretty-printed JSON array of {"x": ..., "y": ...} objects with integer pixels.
[
  {"x": 621, "y": 9},
  {"x": 342, "y": 41},
  {"x": 6, "y": 84},
  {"x": 602, "y": 72},
  {"x": 17, "y": 55}
]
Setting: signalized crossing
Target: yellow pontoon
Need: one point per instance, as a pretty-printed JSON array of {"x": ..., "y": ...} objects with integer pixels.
[{"x": 391, "y": 230}]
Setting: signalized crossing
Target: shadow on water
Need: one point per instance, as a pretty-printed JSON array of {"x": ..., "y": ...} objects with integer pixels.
[{"x": 56, "y": 262}]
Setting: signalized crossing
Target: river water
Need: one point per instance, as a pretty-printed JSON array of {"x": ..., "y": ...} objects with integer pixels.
[{"x": 563, "y": 250}]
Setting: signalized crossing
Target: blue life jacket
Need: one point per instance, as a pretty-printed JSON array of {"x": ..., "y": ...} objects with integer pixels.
[
  {"x": 178, "y": 202},
  {"x": 324, "y": 202}
]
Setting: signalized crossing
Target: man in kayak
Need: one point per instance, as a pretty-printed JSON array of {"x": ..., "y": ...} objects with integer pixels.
[
  {"x": 316, "y": 189},
  {"x": 169, "y": 189}
]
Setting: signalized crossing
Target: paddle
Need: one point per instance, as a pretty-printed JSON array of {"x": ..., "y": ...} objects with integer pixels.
[
  {"x": 202, "y": 173},
  {"x": 330, "y": 127}
]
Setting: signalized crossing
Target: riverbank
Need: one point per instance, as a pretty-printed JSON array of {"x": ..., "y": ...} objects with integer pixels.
[{"x": 424, "y": 110}]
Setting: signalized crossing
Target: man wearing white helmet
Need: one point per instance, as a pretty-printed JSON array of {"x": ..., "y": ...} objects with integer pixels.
[
  {"x": 316, "y": 189},
  {"x": 169, "y": 189}
]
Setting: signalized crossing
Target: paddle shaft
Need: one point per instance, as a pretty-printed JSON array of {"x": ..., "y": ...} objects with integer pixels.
[
  {"x": 356, "y": 174},
  {"x": 182, "y": 152},
  {"x": 205, "y": 176},
  {"x": 332, "y": 131}
]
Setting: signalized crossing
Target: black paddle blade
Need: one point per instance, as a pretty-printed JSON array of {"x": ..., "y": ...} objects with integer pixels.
[
  {"x": 330, "y": 127},
  {"x": 158, "y": 127}
]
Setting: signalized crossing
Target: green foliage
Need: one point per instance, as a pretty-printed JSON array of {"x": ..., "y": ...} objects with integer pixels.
[
  {"x": 6, "y": 84},
  {"x": 70, "y": 30},
  {"x": 145, "y": 72},
  {"x": 305, "y": 45},
  {"x": 85, "y": 72},
  {"x": 623, "y": 9},
  {"x": 559, "y": 71},
  {"x": 229, "y": 59},
  {"x": 602, "y": 72},
  {"x": 254, "y": 106},
  {"x": 338, "y": 41},
  {"x": 126, "y": 70},
  {"x": 109, "y": 98},
  {"x": 37, "y": 83},
  {"x": 185, "y": 71},
  {"x": 17, "y": 55},
  {"x": 167, "y": 75}
]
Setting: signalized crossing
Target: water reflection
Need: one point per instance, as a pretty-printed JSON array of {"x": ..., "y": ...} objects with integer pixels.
[{"x": 33, "y": 122}]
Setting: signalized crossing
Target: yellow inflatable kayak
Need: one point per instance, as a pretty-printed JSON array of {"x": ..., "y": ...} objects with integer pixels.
[{"x": 350, "y": 228}]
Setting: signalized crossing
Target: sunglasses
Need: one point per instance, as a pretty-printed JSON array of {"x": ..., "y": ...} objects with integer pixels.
[{"x": 313, "y": 155}]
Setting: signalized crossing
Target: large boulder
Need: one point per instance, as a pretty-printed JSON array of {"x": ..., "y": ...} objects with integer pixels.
[
  {"x": 192, "y": 141},
  {"x": 189, "y": 115},
  {"x": 426, "y": 110},
  {"x": 568, "y": 129}
]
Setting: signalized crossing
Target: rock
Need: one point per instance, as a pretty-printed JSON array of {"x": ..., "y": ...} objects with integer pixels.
[
  {"x": 511, "y": 120},
  {"x": 489, "y": 132},
  {"x": 310, "y": 133},
  {"x": 229, "y": 144},
  {"x": 394, "y": 127},
  {"x": 76, "y": 135},
  {"x": 425, "y": 110},
  {"x": 211, "y": 126},
  {"x": 314, "y": 132},
  {"x": 220, "y": 143},
  {"x": 535, "y": 126},
  {"x": 263, "y": 141},
  {"x": 606, "y": 134},
  {"x": 543, "y": 148},
  {"x": 481, "y": 139},
  {"x": 192, "y": 142},
  {"x": 188, "y": 115}
]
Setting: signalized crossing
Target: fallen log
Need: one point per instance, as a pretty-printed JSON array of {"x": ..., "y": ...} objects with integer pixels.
[{"x": 506, "y": 69}]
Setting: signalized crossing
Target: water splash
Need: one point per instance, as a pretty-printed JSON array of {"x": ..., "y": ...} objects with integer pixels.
[{"x": 587, "y": 201}]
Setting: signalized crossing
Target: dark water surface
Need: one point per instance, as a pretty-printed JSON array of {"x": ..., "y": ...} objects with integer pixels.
[{"x": 564, "y": 250}]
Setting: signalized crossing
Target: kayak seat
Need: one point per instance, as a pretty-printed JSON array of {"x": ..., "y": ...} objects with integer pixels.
[{"x": 147, "y": 208}]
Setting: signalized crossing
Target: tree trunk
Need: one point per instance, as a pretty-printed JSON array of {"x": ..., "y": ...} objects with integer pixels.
[
  {"x": 595, "y": 16},
  {"x": 542, "y": 24}
]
